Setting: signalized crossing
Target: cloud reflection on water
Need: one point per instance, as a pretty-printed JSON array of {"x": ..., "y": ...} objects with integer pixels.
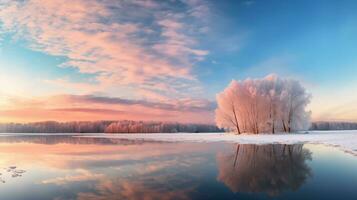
[{"x": 88, "y": 168}]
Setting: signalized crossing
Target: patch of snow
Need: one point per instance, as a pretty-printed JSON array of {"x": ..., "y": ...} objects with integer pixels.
[
  {"x": 346, "y": 140},
  {"x": 13, "y": 171}
]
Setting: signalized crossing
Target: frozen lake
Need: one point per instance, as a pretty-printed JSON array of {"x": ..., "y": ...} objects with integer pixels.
[{"x": 99, "y": 166}]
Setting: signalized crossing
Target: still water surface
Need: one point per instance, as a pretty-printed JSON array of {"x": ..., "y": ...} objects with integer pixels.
[{"x": 66, "y": 167}]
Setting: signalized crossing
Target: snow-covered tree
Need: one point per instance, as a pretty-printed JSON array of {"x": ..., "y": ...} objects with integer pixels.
[
  {"x": 294, "y": 100},
  {"x": 268, "y": 105},
  {"x": 229, "y": 109},
  {"x": 124, "y": 126},
  {"x": 321, "y": 125}
]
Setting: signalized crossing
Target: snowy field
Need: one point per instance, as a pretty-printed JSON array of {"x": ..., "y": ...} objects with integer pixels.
[{"x": 345, "y": 140}]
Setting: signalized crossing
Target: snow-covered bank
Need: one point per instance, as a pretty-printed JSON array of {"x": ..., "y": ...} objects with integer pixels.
[{"x": 346, "y": 140}]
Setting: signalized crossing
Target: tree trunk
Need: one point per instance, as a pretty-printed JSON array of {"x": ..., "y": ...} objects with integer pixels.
[
  {"x": 284, "y": 126},
  {"x": 290, "y": 114},
  {"x": 236, "y": 119}
]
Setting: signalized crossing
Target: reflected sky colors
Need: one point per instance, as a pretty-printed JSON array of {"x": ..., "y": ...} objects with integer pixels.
[
  {"x": 166, "y": 60},
  {"x": 66, "y": 167}
]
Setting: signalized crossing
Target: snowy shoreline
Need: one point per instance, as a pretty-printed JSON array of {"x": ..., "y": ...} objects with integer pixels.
[{"x": 345, "y": 140}]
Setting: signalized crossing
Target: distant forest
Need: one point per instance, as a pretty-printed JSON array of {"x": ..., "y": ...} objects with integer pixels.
[
  {"x": 124, "y": 126},
  {"x": 127, "y": 126},
  {"x": 333, "y": 126}
]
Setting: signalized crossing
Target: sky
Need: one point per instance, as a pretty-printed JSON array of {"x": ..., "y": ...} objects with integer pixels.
[{"x": 166, "y": 60}]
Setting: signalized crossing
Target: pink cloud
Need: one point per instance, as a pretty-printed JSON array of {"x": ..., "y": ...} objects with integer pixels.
[
  {"x": 175, "y": 43},
  {"x": 110, "y": 39}
]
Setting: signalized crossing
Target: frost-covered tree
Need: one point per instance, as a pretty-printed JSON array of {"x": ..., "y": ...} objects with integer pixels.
[
  {"x": 321, "y": 125},
  {"x": 123, "y": 126},
  {"x": 229, "y": 109},
  {"x": 267, "y": 105},
  {"x": 294, "y": 100}
]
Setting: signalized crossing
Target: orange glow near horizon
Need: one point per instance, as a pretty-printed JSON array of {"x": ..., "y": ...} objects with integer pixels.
[{"x": 87, "y": 108}]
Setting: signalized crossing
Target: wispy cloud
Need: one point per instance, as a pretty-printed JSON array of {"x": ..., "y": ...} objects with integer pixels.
[{"x": 137, "y": 44}]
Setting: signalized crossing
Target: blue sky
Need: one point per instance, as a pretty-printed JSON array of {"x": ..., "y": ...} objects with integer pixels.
[
  {"x": 179, "y": 52},
  {"x": 314, "y": 41}
]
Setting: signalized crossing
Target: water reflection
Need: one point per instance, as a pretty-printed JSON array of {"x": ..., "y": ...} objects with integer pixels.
[
  {"x": 66, "y": 167},
  {"x": 269, "y": 169},
  {"x": 89, "y": 168},
  {"x": 58, "y": 139},
  {"x": 154, "y": 186}
]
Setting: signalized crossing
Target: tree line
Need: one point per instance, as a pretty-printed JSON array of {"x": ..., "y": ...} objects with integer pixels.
[
  {"x": 333, "y": 126},
  {"x": 125, "y": 126}
]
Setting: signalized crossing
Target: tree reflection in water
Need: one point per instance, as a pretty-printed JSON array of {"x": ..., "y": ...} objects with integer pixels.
[{"x": 269, "y": 169}]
